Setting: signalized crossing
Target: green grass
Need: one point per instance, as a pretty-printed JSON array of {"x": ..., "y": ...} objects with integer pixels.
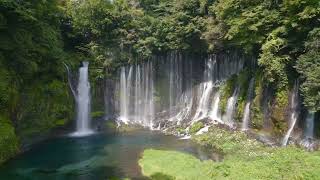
[
  {"x": 174, "y": 165},
  {"x": 244, "y": 159}
]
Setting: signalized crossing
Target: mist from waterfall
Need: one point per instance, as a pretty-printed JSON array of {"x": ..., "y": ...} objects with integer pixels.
[
  {"x": 246, "y": 113},
  {"x": 294, "y": 112},
  {"x": 83, "y": 102}
]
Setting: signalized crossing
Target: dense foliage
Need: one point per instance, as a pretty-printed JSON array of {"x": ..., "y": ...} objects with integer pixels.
[
  {"x": 283, "y": 35},
  {"x": 33, "y": 92},
  {"x": 38, "y": 37}
]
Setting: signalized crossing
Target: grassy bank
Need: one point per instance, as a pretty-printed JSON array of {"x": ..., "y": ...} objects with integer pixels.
[{"x": 244, "y": 158}]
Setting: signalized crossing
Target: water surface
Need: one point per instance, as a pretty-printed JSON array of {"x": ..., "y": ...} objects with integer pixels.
[{"x": 99, "y": 156}]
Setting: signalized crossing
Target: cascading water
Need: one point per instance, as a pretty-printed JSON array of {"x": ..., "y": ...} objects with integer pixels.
[
  {"x": 246, "y": 114},
  {"x": 83, "y": 103},
  {"x": 157, "y": 99},
  {"x": 136, "y": 94},
  {"x": 175, "y": 82},
  {"x": 308, "y": 141},
  {"x": 231, "y": 106},
  {"x": 215, "y": 114},
  {"x": 206, "y": 90},
  {"x": 309, "y": 126},
  {"x": 294, "y": 113},
  {"x": 123, "y": 97}
]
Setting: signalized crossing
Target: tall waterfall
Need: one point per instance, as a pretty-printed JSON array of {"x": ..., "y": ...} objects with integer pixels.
[
  {"x": 246, "y": 114},
  {"x": 309, "y": 126},
  {"x": 231, "y": 107},
  {"x": 83, "y": 102},
  {"x": 123, "y": 97},
  {"x": 136, "y": 94},
  {"x": 175, "y": 81},
  {"x": 294, "y": 113}
]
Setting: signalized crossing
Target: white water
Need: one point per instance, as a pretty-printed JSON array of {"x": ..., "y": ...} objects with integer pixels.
[
  {"x": 215, "y": 114},
  {"x": 231, "y": 106},
  {"x": 137, "y": 100},
  {"x": 203, "y": 130},
  {"x": 206, "y": 90},
  {"x": 123, "y": 97},
  {"x": 246, "y": 113},
  {"x": 294, "y": 103},
  {"x": 83, "y": 103},
  {"x": 167, "y": 90},
  {"x": 186, "y": 107},
  {"x": 309, "y": 126}
]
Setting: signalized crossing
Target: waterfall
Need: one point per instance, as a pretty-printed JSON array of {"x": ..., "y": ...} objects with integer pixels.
[
  {"x": 246, "y": 114},
  {"x": 294, "y": 103},
  {"x": 123, "y": 97},
  {"x": 308, "y": 141},
  {"x": 231, "y": 106},
  {"x": 136, "y": 94},
  {"x": 83, "y": 103},
  {"x": 205, "y": 89},
  {"x": 174, "y": 90},
  {"x": 175, "y": 82},
  {"x": 309, "y": 126},
  {"x": 186, "y": 107},
  {"x": 215, "y": 114}
]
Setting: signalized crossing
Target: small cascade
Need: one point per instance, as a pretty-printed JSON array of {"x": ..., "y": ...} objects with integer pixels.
[
  {"x": 83, "y": 102},
  {"x": 215, "y": 114},
  {"x": 308, "y": 141},
  {"x": 309, "y": 126},
  {"x": 294, "y": 113},
  {"x": 206, "y": 90},
  {"x": 186, "y": 107},
  {"x": 231, "y": 106},
  {"x": 246, "y": 114}
]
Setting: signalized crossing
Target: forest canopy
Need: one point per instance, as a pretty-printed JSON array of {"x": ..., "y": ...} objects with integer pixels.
[{"x": 282, "y": 35}]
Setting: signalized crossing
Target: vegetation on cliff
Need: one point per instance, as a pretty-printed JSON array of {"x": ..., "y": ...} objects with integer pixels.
[{"x": 38, "y": 37}]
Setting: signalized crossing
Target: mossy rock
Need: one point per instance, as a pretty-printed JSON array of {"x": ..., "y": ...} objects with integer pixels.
[
  {"x": 226, "y": 92},
  {"x": 97, "y": 114},
  {"x": 279, "y": 110},
  {"x": 257, "y": 114},
  {"x": 196, "y": 127}
]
